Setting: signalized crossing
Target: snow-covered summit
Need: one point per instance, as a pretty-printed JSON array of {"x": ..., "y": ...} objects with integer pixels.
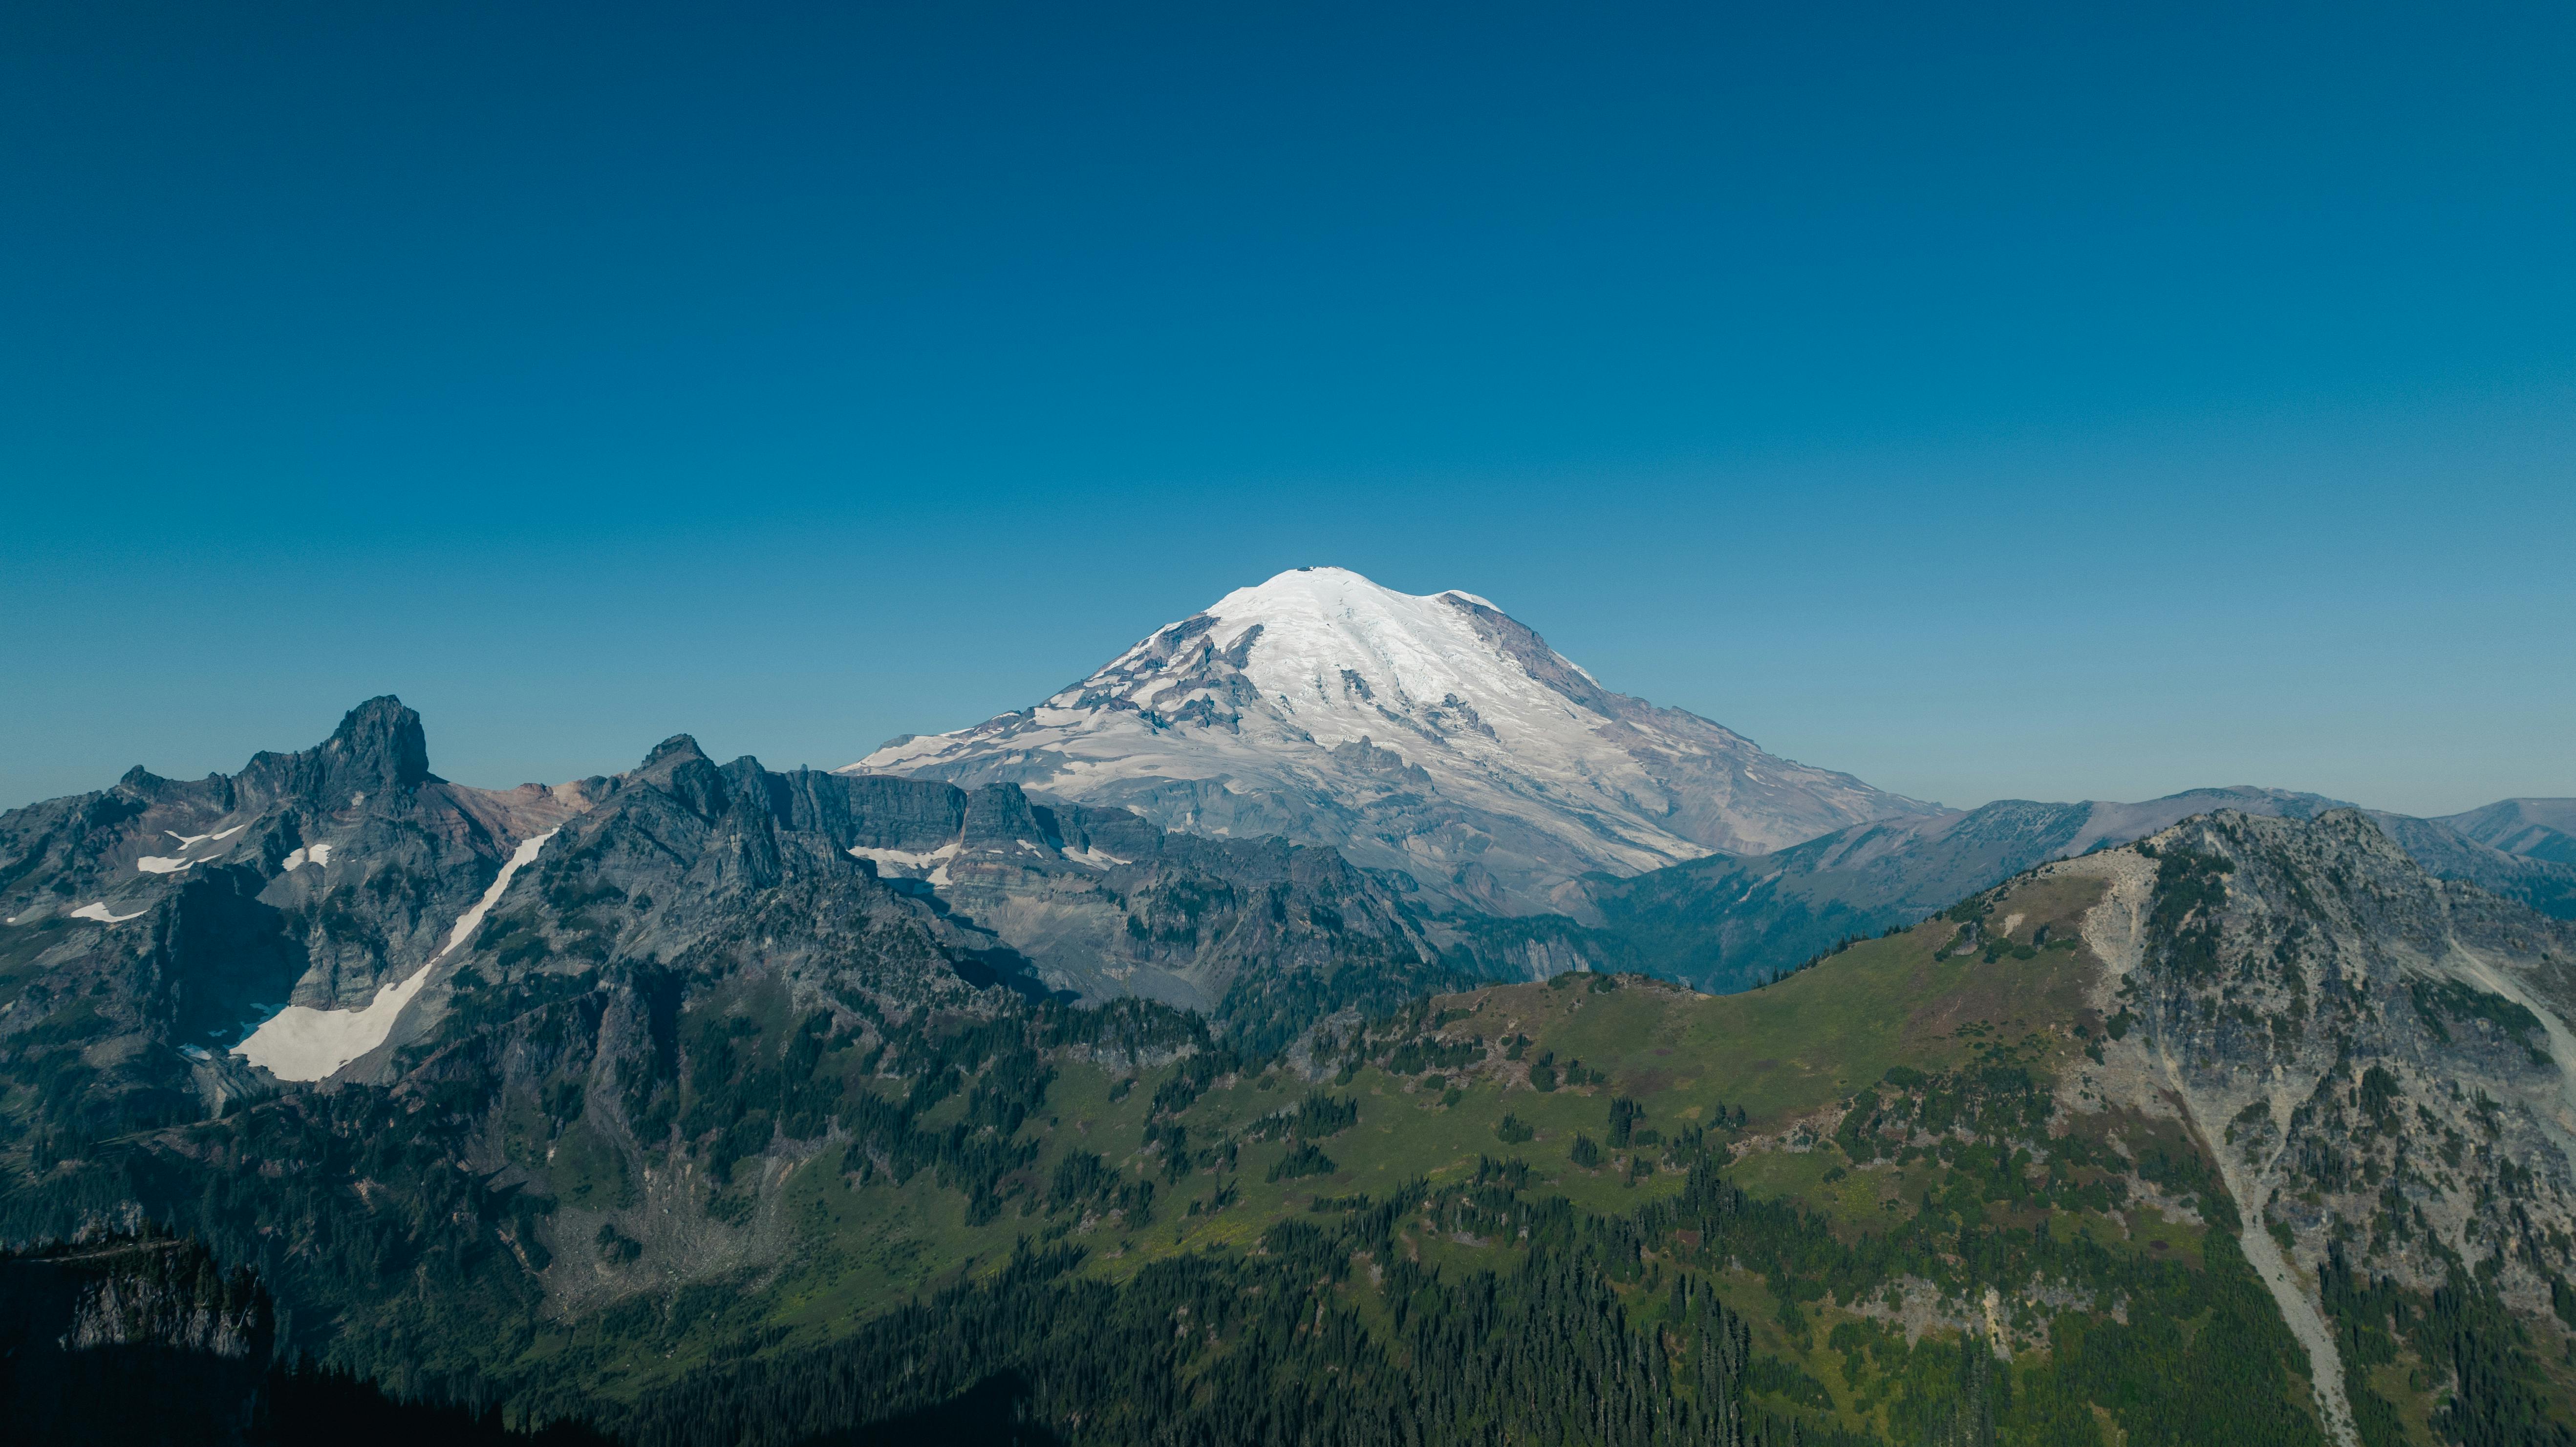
[{"x": 1433, "y": 734}]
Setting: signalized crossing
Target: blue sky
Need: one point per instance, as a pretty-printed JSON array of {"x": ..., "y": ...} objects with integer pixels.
[{"x": 2045, "y": 401}]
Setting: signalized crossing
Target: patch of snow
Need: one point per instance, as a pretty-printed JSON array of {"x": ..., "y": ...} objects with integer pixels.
[
  {"x": 99, "y": 912},
  {"x": 302, "y": 1043},
  {"x": 191, "y": 841},
  {"x": 155, "y": 864},
  {"x": 1096, "y": 858},
  {"x": 928, "y": 746},
  {"x": 356, "y": 799},
  {"x": 905, "y": 858},
  {"x": 310, "y": 854},
  {"x": 465, "y": 924}
]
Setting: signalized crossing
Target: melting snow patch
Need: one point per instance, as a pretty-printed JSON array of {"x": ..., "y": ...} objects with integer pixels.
[
  {"x": 519, "y": 857},
  {"x": 227, "y": 834},
  {"x": 99, "y": 912},
  {"x": 905, "y": 858},
  {"x": 301, "y": 1043},
  {"x": 187, "y": 840},
  {"x": 310, "y": 854},
  {"x": 153, "y": 864},
  {"x": 1097, "y": 859}
]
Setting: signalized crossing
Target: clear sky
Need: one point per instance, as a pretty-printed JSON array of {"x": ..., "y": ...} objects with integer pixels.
[{"x": 2048, "y": 401}]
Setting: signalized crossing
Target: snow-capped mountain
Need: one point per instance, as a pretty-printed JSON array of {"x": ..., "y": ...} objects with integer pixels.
[{"x": 1435, "y": 735}]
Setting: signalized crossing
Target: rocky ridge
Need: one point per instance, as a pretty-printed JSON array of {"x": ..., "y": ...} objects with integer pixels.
[
  {"x": 325, "y": 885},
  {"x": 176, "y": 915},
  {"x": 2377, "y": 1059},
  {"x": 2542, "y": 829}
]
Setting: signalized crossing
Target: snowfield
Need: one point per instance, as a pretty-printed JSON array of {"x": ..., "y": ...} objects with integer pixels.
[{"x": 302, "y": 1043}]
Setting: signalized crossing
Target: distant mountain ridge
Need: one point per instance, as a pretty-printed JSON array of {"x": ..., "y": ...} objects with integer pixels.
[
  {"x": 1434, "y": 735},
  {"x": 1729, "y": 922},
  {"x": 2534, "y": 828}
]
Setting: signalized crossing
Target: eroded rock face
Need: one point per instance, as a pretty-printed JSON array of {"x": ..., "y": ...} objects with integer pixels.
[
  {"x": 2367, "y": 1044},
  {"x": 2378, "y": 1059}
]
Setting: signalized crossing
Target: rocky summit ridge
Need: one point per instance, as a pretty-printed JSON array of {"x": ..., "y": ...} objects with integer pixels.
[
  {"x": 315, "y": 913},
  {"x": 1434, "y": 734}
]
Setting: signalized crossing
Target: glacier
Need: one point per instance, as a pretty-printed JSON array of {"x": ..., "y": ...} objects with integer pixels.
[{"x": 1432, "y": 734}]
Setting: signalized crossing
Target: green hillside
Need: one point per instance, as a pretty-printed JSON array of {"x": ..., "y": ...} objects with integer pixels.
[{"x": 1695, "y": 1152}]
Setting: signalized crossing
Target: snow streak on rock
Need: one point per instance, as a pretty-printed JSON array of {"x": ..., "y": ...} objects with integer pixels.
[{"x": 301, "y": 1043}]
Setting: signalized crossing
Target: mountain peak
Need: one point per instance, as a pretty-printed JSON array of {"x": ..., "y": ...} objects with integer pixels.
[
  {"x": 1430, "y": 733},
  {"x": 1326, "y": 589},
  {"x": 379, "y": 748},
  {"x": 677, "y": 746},
  {"x": 1342, "y": 655},
  {"x": 381, "y": 741}
]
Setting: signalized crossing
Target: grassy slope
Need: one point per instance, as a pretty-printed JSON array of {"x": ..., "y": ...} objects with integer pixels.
[{"x": 1785, "y": 1056}]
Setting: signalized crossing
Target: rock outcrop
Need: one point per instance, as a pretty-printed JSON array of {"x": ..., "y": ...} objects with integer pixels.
[{"x": 2378, "y": 1060}]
